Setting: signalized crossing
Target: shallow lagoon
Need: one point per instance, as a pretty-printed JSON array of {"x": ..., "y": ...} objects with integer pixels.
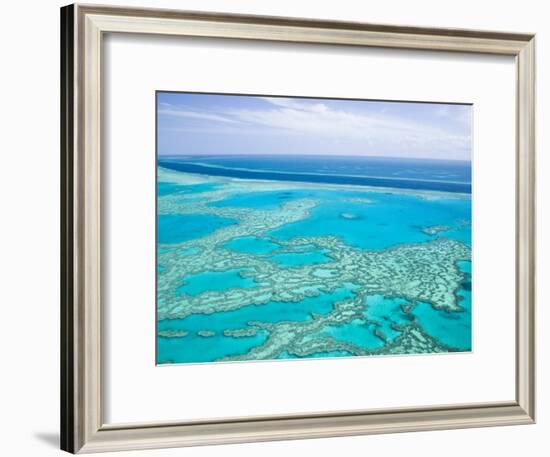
[
  {"x": 195, "y": 348},
  {"x": 272, "y": 311},
  {"x": 295, "y": 259},
  {"x": 173, "y": 229},
  {"x": 378, "y": 221},
  {"x": 388, "y": 220},
  {"x": 214, "y": 280},
  {"x": 252, "y": 245},
  {"x": 385, "y": 312},
  {"x": 166, "y": 188},
  {"x": 356, "y": 332},
  {"x": 452, "y": 329}
]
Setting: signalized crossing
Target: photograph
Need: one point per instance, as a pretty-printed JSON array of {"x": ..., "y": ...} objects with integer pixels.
[
  {"x": 283, "y": 225},
  {"x": 311, "y": 227}
]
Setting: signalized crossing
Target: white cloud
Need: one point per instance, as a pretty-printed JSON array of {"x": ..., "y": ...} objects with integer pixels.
[
  {"x": 293, "y": 104},
  {"x": 322, "y": 121},
  {"x": 171, "y": 110},
  {"x": 445, "y": 133}
]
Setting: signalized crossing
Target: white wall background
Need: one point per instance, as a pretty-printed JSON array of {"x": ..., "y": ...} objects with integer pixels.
[{"x": 29, "y": 180}]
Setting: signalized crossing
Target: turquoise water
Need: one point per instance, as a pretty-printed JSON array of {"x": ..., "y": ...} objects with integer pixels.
[
  {"x": 465, "y": 266},
  {"x": 166, "y": 188},
  {"x": 297, "y": 259},
  {"x": 214, "y": 280},
  {"x": 189, "y": 251},
  {"x": 259, "y": 200},
  {"x": 357, "y": 332},
  {"x": 173, "y": 229},
  {"x": 194, "y": 348},
  {"x": 368, "y": 220},
  {"x": 252, "y": 245},
  {"x": 317, "y": 355},
  {"x": 272, "y": 311},
  {"x": 451, "y": 328},
  {"x": 384, "y": 312},
  {"x": 271, "y": 199},
  {"x": 389, "y": 220}
]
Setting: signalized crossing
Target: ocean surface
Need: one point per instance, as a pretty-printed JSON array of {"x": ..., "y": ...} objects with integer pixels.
[
  {"x": 420, "y": 174},
  {"x": 253, "y": 251}
]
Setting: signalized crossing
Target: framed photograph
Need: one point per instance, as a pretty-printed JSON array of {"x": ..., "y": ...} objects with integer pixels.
[{"x": 279, "y": 228}]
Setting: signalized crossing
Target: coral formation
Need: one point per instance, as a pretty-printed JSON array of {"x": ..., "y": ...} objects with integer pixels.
[{"x": 425, "y": 272}]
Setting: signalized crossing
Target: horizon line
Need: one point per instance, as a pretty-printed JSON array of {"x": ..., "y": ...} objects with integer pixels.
[{"x": 311, "y": 155}]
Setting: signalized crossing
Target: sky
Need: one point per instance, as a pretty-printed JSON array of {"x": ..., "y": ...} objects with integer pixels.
[{"x": 210, "y": 124}]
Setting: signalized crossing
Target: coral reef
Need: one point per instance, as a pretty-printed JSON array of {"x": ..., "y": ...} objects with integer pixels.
[{"x": 425, "y": 272}]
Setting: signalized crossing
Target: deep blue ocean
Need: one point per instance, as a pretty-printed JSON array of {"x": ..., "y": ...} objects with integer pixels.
[{"x": 419, "y": 174}]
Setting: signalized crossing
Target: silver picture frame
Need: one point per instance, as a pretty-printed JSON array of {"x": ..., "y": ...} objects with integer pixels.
[{"x": 82, "y": 426}]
